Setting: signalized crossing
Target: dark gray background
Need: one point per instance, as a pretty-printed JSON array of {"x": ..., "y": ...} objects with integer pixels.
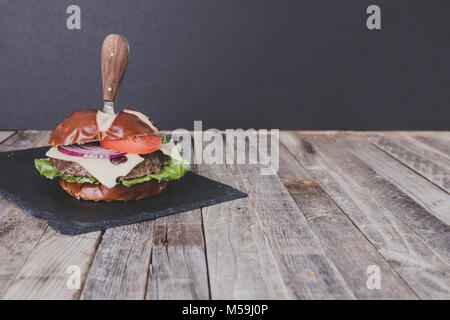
[{"x": 286, "y": 64}]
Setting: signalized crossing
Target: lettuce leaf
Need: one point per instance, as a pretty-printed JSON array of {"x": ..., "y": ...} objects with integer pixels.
[
  {"x": 80, "y": 179},
  {"x": 46, "y": 169},
  {"x": 174, "y": 171}
]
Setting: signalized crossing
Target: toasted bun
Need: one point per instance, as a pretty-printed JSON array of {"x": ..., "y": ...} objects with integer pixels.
[
  {"x": 97, "y": 192},
  {"x": 94, "y": 125}
]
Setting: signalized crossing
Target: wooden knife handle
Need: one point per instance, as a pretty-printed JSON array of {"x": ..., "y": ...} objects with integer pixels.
[{"x": 115, "y": 52}]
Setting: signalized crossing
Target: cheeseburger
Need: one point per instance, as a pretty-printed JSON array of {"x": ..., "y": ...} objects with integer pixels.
[{"x": 101, "y": 155}]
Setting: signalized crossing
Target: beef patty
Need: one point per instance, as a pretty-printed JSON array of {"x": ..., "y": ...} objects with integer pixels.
[{"x": 152, "y": 163}]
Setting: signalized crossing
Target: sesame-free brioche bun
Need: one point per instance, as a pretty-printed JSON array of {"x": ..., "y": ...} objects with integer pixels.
[
  {"x": 98, "y": 192},
  {"x": 94, "y": 125}
]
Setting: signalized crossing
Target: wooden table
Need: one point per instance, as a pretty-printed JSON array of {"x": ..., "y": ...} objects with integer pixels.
[{"x": 343, "y": 206}]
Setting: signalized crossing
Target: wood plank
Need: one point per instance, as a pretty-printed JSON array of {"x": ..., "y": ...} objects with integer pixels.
[
  {"x": 19, "y": 231},
  {"x": 422, "y": 148},
  {"x": 5, "y": 135},
  {"x": 44, "y": 275},
  {"x": 438, "y": 142},
  {"x": 171, "y": 247},
  {"x": 240, "y": 264},
  {"x": 396, "y": 132},
  {"x": 355, "y": 253},
  {"x": 303, "y": 266},
  {"x": 427, "y": 163},
  {"x": 377, "y": 209},
  {"x": 434, "y": 199},
  {"x": 430, "y": 229},
  {"x": 26, "y": 139},
  {"x": 120, "y": 267},
  {"x": 178, "y": 264}
]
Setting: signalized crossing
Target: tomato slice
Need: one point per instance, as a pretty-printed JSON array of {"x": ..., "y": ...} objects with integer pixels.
[{"x": 137, "y": 145}]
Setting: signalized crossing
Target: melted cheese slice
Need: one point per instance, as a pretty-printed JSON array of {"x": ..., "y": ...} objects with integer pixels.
[
  {"x": 104, "y": 120},
  {"x": 171, "y": 150},
  {"x": 101, "y": 169}
]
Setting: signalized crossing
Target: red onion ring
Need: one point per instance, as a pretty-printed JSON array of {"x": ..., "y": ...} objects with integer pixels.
[{"x": 90, "y": 151}]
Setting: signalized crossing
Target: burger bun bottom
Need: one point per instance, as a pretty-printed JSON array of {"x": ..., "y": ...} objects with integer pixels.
[{"x": 98, "y": 192}]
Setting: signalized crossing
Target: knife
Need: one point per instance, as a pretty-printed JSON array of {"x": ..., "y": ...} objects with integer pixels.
[{"x": 114, "y": 56}]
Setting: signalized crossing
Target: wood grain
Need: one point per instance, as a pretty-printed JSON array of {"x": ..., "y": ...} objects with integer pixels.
[
  {"x": 19, "y": 231},
  {"x": 355, "y": 253},
  {"x": 45, "y": 273},
  {"x": 178, "y": 264},
  {"x": 438, "y": 142},
  {"x": 379, "y": 210},
  {"x": 160, "y": 259},
  {"x": 434, "y": 199},
  {"x": 427, "y": 163},
  {"x": 423, "y": 149},
  {"x": 5, "y": 135},
  {"x": 303, "y": 266},
  {"x": 120, "y": 267},
  {"x": 114, "y": 56},
  {"x": 25, "y": 140},
  {"x": 431, "y": 230},
  {"x": 239, "y": 262}
]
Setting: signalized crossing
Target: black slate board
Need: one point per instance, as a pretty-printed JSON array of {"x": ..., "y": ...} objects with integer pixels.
[{"x": 43, "y": 198}]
